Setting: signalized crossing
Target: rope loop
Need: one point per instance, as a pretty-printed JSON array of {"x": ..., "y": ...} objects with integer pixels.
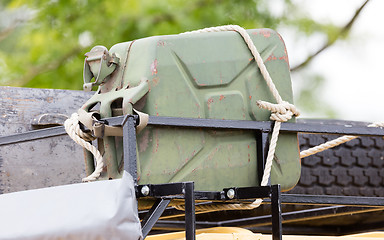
[{"x": 72, "y": 127}]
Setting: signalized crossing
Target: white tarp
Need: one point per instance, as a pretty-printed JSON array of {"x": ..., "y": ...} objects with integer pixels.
[{"x": 97, "y": 210}]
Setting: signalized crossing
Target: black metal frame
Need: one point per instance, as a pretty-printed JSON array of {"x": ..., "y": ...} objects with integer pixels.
[
  {"x": 164, "y": 193},
  {"x": 263, "y": 126}
]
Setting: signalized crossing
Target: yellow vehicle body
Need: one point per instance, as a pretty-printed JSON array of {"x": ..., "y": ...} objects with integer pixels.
[{"x": 234, "y": 233}]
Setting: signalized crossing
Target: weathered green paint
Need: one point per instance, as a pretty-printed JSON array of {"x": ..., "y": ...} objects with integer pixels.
[{"x": 207, "y": 75}]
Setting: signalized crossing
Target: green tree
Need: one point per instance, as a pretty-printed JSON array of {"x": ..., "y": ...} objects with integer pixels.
[{"x": 42, "y": 44}]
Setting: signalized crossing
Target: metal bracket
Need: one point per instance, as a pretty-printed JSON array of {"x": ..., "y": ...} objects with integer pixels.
[
  {"x": 153, "y": 215},
  {"x": 98, "y": 64}
]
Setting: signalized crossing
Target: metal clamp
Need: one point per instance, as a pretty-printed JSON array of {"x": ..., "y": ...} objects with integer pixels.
[{"x": 98, "y": 64}]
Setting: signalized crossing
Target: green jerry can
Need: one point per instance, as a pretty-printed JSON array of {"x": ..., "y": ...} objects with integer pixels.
[{"x": 199, "y": 75}]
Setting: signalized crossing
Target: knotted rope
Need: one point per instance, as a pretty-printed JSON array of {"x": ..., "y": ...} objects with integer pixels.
[
  {"x": 280, "y": 112},
  {"x": 72, "y": 127}
]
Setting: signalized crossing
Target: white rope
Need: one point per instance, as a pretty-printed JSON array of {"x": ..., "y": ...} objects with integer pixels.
[
  {"x": 72, "y": 127},
  {"x": 334, "y": 142},
  {"x": 280, "y": 112}
]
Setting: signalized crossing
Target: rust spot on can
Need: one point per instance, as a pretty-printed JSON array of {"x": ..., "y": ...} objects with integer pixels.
[
  {"x": 265, "y": 33},
  {"x": 271, "y": 58},
  {"x": 143, "y": 144},
  {"x": 161, "y": 43},
  {"x": 209, "y": 102},
  {"x": 154, "y": 67},
  {"x": 221, "y": 97},
  {"x": 212, "y": 154},
  {"x": 284, "y": 58},
  {"x": 155, "y": 80},
  {"x": 157, "y": 143}
]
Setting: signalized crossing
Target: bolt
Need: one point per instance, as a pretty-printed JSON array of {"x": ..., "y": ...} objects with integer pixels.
[
  {"x": 231, "y": 193},
  {"x": 145, "y": 190}
]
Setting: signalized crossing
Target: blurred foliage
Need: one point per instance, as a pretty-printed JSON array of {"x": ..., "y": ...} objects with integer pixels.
[
  {"x": 309, "y": 95},
  {"x": 43, "y": 42}
]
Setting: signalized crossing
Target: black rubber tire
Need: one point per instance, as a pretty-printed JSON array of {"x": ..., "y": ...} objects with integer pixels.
[{"x": 354, "y": 168}]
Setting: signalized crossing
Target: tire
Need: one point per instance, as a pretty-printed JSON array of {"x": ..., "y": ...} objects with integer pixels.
[{"x": 354, "y": 168}]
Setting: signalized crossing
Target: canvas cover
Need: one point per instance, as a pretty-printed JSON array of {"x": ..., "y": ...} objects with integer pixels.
[{"x": 96, "y": 210}]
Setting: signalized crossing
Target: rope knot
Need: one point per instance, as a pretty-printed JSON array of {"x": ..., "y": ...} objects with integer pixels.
[{"x": 280, "y": 112}]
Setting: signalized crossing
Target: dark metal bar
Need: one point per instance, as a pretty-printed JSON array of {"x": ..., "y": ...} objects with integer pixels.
[
  {"x": 304, "y": 215},
  {"x": 331, "y": 200},
  {"x": 205, "y": 195},
  {"x": 277, "y": 229},
  {"x": 159, "y": 190},
  {"x": 166, "y": 189},
  {"x": 153, "y": 215},
  {"x": 190, "y": 218},
  {"x": 249, "y": 192},
  {"x": 303, "y": 230},
  {"x": 259, "y": 221},
  {"x": 176, "y": 225},
  {"x": 266, "y": 126},
  {"x": 32, "y": 135},
  {"x": 262, "y": 145},
  {"x": 297, "y": 199},
  {"x": 171, "y": 212},
  {"x": 324, "y": 212},
  {"x": 297, "y": 216},
  {"x": 210, "y": 123},
  {"x": 129, "y": 146}
]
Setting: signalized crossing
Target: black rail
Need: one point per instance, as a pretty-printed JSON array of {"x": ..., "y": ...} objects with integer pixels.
[{"x": 262, "y": 126}]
